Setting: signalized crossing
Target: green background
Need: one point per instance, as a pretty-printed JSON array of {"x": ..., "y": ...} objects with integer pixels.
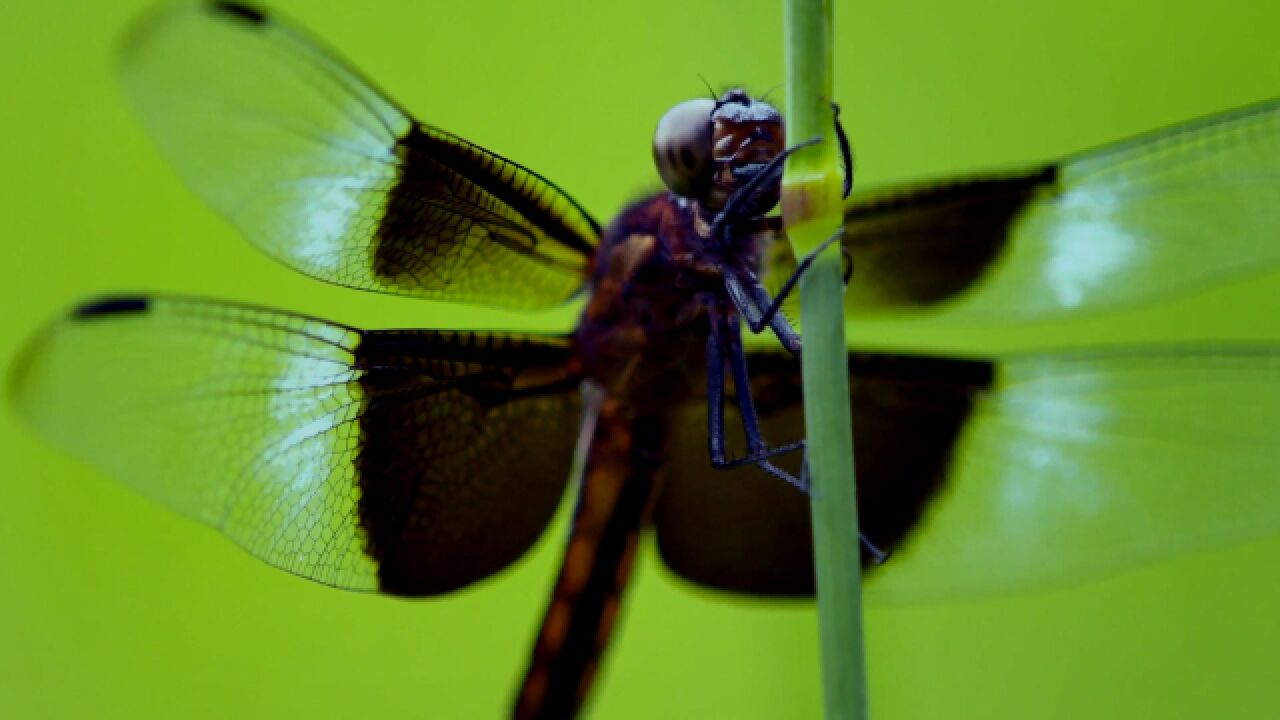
[{"x": 112, "y": 607}]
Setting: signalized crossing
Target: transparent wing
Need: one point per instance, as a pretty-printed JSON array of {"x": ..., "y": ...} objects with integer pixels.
[
  {"x": 408, "y": 462},
  {"x": 330, "y": 177},
  {"x": 1079, "y": 465},
  {"x": 1152, "y": 217},
  {"x": 1055, "y": 468}
]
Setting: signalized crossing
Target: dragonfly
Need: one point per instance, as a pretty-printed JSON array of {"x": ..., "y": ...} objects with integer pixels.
[{"x": 416, "y": 462}]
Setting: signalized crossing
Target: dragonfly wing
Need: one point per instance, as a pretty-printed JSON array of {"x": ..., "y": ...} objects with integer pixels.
[
  {"x": 1084, "y": 464},
  {"x": 1141, "y": 220},
  {"x": 1055, "y": 468},
  {"x": 408, "y": 462},
  {"x": 329, "y": 176},
  {"x": 746, "y": 531}
]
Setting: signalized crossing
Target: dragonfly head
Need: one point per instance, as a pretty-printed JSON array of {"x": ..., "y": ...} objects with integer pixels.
[{"x": 706, "y": 149}]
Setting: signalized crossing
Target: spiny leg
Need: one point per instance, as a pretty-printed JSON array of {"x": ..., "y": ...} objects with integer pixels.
[
  {"x": 748, "y": 297},
  {"x": 754, "y": 304},
  {"x": 721, "y": 349},
  {"x": 747, "y": 202},
  {"x": 744, "y": 203},
  {"x": 765, "y": 310},
  {"x": 846, "y": 154},
  {"x": 724, "y": 345},
  {"x": 878, "y": 556}
]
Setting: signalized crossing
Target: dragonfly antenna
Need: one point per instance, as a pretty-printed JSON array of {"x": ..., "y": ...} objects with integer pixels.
[
  {"x": 767, "y": 93},
  {"x": 710, "y": 90}
]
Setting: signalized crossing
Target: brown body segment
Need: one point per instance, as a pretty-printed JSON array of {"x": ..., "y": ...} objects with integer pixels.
[
  {"x": 642, "y": 338},
  {"x": 616, "y": 501},
  {"x": 658, "y": 275}
]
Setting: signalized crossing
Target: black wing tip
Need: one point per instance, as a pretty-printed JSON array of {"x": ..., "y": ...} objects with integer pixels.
[
  {"x": 240, "y": 11},
  {"x": 111, "y": 306}
]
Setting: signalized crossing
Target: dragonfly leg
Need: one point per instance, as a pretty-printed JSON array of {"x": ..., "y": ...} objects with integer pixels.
[
  {"x": 724, "y": 346},
  {"x": 846, "y": 154},
  {"x": 764, "y": 309},
  {"x": 749, "y": 297},
  {"x": 748, "y": 201},
  {"x": 878, "y": 556},
  {"x": 724, "y": 334},
  {"x": 715, "y": 398},
  {"x": 874, "y": 552}
]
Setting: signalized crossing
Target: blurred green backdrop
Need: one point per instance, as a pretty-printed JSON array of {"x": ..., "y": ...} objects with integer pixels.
[{"x": 111, "y": 607}]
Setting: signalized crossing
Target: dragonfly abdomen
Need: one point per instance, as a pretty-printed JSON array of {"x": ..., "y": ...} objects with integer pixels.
[{"x": 619, "y": 488}]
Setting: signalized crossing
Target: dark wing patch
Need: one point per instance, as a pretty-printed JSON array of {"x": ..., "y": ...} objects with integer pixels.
[
  {"x": 1137, "y": 221},
  {"x": 1058, "y": 467},
  {"x": 920, "y": 246},
  {"x": 240, "y": 10},
  {"x": 745, "y": 531},
  {"x": 409, "y": 462},
  {"x": 111, "y": 306},
  {"x": 329, "y": 176},
  {"x": 463, "y": 219},
  {"x": 894, "y": 237},
  {"x": 493, "y": 419}
]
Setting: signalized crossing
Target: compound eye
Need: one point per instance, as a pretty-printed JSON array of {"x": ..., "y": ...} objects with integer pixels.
[{"x": 682, "y": 147}]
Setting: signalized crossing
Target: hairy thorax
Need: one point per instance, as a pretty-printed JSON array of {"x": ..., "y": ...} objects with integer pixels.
[{"x": 656, "y": 276}]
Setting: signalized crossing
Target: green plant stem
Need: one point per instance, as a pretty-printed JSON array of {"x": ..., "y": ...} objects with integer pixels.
[{"x": 812, "y": 210}]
